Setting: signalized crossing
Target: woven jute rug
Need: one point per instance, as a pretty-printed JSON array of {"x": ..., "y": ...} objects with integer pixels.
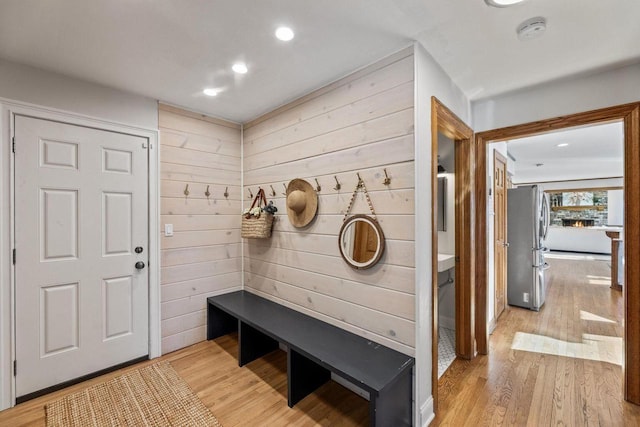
[{"x": 151, "y": 396}]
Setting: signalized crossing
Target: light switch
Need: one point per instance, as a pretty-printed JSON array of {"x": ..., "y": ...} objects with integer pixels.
[{"x": 168, "y": 230}]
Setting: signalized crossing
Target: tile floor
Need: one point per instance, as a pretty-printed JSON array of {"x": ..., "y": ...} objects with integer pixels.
[{"x": 446, "y": 349}]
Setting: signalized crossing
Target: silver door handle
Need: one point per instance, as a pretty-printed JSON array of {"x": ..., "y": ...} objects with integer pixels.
[{"x": 506, "y": 245}]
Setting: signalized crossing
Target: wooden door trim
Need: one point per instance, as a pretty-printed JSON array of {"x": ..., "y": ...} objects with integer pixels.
[
  {"x": 629, "y": 114},
  {"x": 446, "y": 122},
  {"x": 503, "y": 159}
]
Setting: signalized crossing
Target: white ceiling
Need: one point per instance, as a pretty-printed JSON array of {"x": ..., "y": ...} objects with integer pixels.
[
  {"x": 171, "y": 50},
  {"x": 593, "y": 152}
]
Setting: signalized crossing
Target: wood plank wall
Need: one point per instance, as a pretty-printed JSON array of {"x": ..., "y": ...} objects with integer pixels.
[
  {"x": 203, "y": 257},
  {"x": 362, "y": 123}
]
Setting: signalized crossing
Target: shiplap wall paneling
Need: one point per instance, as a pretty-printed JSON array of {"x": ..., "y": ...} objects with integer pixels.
[
  {"x": 363, "y": 123},
  {"x": 203, "y": 257}
]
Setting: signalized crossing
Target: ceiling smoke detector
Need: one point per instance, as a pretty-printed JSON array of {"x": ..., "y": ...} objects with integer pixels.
[{"x": 532, "y": 28}]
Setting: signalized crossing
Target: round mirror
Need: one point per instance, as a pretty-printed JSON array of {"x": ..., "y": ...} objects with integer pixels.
[{"x": 361, "y": 241}]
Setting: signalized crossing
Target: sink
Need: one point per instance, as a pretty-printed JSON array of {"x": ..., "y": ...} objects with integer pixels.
[{"x": 446, "y": 262}]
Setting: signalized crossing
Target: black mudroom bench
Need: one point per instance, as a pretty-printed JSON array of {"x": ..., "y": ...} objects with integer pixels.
[{"x": 315, "y": 349}]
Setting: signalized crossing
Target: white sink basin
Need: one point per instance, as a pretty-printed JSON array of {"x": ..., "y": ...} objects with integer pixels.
[{"x": 446, "y": 262}]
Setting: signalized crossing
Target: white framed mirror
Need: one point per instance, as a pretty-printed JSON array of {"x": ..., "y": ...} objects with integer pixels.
[{"x": 361, "y": 241}]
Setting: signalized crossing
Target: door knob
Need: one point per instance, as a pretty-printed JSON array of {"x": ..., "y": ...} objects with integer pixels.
[
  {"x": 506, "y": 245},
  {"x": 139, "y": 265}
]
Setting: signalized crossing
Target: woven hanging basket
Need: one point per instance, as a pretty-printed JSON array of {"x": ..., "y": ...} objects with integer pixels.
[{"x": 257, "y": 227}]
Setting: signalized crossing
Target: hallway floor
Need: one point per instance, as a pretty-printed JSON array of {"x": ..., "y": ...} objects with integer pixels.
[{"x": 559, "y": 366}]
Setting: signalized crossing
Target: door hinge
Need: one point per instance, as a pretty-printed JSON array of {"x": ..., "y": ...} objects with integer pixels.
[
  {"x": 13, "y": 144},
  {"x": 15, "y": 368},
  {"x": 14, "y": 257}
]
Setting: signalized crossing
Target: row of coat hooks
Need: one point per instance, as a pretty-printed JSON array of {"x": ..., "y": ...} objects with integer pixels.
[
  {"x": 338, "y": 186},
  {"x": 207, "y": 193}
]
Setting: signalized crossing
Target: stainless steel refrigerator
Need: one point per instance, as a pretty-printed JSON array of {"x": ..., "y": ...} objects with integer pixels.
[{"x": 527, "y": 226}]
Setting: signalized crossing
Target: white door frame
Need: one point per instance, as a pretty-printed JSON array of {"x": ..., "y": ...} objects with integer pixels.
[{"x": 7, "y": 277}]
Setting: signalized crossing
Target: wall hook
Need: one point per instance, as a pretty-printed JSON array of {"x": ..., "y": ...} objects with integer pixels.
[
  {"x": 318, "y": 188},
  {"x": 186, "y": 190},
  {"x": 338, "y": 185},
  {"x": 285, "y": 189},
  {"x": 250, "y": 193},
  {"x": 273, "y": 192},
  {"x": 226, "y": 192},
  {"x": 387, "y": 180},
  {"x": 207, "y": 193},
  {"x": 359, "y": 180}
]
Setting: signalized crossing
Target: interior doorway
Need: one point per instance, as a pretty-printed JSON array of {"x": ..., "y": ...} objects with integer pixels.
[
  {"x": 629, "y": 115},
  {"x": 445, "y": 124},
  {"x": 446, "y": 283}
]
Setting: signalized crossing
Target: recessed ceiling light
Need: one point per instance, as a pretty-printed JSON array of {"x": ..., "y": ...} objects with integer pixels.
[
  {"x": 532, "y": 28},
  {"x": 502, "y": 3},
  {"x": 240, "y": 68},
  {"x": 284, "y": 33},
  {"x": 210, "y": 92},
  {"x": 564, "y": 144}
]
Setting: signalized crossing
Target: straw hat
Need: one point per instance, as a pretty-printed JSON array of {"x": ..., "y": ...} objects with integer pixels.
[{"x": 302, "y": 202}]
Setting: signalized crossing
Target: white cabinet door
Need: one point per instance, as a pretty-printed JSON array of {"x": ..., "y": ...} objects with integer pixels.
[{"x": 81, "y": 199}]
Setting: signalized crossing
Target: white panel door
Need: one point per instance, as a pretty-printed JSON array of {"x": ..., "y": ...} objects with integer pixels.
[{"x": 80, "y": 212}]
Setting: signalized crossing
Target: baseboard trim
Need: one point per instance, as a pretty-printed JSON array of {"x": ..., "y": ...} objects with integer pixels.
[{"x": 426, "y": 412}]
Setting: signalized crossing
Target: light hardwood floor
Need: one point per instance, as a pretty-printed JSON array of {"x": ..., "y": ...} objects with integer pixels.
[
  {"x": 508, "y": 387},
  {"x": 255, "y": 395},
  {"x": 558, "y": 378}
]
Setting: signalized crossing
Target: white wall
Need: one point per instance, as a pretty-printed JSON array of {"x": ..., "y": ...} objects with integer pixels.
[
  {"x": 32, "y": 85},
  {"x": 430, "y": 81},
  {"x": 567, "y": 96}
]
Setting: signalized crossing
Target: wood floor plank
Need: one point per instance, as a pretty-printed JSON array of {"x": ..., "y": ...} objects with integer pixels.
[
  {"x": 558, "y": 366},
  {"x": 253, "y": 395}
]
